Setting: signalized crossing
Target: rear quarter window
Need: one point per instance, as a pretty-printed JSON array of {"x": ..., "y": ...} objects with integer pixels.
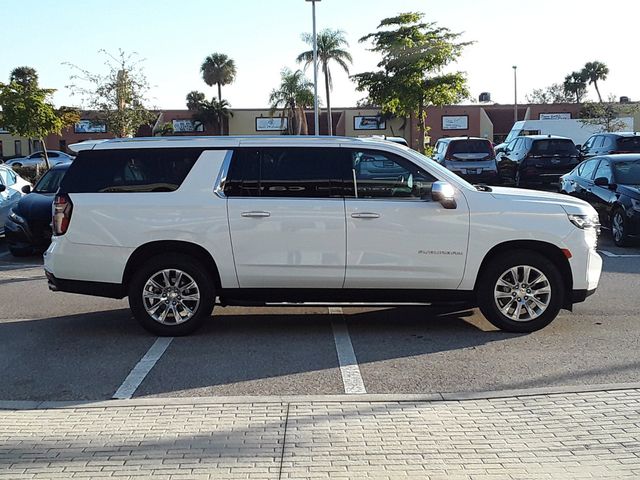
[
  {"x": 629, "y": 144},
  {"x": 129, "y": 170}
]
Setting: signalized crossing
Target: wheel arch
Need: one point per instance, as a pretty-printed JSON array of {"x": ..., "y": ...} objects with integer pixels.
[
  {"x": 148, "y": 250},
  {"x": 550, "y": 251}
]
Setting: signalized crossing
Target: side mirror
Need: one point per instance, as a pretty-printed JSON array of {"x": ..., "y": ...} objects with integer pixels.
[
  {"x": 601, "y": 182},
  {"x": 444, "y": 193},
  {"x": 2, "y": 188},
  {"x": 26, "y": 189},
  {"x": 579, "y": 147}
]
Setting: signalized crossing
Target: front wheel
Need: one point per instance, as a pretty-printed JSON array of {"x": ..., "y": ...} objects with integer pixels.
[
  {"x": 171, "y": 295},
  {"x": 520, "y": 291},
  {"x": 619, "y": 228}
]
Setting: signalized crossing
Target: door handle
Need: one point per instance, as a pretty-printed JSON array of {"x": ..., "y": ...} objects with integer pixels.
[
  {"x": 256, "y": 214},
  {"x": 365, "y": 215}
]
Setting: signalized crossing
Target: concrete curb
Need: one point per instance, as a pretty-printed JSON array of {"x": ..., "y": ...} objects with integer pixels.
[{"x": 280, "y": 399}]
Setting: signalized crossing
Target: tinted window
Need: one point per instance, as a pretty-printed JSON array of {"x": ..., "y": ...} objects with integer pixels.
[
  {"x": 604, "y": 170},
  {"x": 50, "y": 182},
  {"x": 129, "y": 170},
  {"x": 554, "y": 146},
  {"x": 629, "y": 144},
  {"x": 385, "y": 175},
  {"x": 589, "y": 143},
  {"x": 287, "y": 172},
  {"x": 470, "y": 146},
  {"x": 587, "y": 169},
  {"x": 627, "y": 172}
]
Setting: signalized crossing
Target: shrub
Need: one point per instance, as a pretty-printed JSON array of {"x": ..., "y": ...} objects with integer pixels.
[{"x": 30, "y": 174}]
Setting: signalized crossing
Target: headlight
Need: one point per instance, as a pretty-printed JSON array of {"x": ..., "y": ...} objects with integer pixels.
[
  {"x": 584, "y": 221},
  {"x": 15, "y": 217},
  {"x": 635, "y": 204}
]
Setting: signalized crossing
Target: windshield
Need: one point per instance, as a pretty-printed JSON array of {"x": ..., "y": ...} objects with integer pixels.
[
  {"x": 627, "y": 173},
  {"x": 442, "y": 173},
  {"x": 50, "y": 181},
  {"x": 554, "y": 146}
]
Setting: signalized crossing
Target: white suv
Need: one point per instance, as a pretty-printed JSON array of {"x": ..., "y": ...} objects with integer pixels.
[{"x": 178, "y": 223}]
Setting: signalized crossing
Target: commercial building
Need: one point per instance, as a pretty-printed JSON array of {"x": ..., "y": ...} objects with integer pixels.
[{"x": 490, "y": 121}]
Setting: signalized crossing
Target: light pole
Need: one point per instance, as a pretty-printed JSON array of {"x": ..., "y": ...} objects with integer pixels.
[
  {"x": 316, "y": 117},
  {"x": 515, "y": 93}
]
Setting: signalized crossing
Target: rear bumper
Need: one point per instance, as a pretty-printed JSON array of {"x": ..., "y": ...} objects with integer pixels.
[{"x": 97, "y": 289}]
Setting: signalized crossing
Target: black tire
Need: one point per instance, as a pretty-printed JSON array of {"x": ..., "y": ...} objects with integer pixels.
[
  {"x": 621, "y": 239},
  {"x": 487, "y": 283},
  {"x": 186, "y": 264},
  {"x": 21, "y": 252}
]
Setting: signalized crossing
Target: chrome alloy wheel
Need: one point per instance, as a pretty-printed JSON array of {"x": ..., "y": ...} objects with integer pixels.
[
  {"x": 522, "y": 293},
  {"x": 171, "y": 296},
  {"x": 617, "y": 226}
]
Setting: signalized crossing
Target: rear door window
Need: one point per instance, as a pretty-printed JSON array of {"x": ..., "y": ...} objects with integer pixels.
[
  {"x": 604, "y": 170},
  {"x": 129, "y": 170},
  {"x": 287, "y": 172}
]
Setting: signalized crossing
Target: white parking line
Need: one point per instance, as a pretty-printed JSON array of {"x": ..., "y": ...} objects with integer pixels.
[
  {"x": 617, "y": 255},
  {"x": 349, "y": 369},
  {"x": 142, "y": 369}
]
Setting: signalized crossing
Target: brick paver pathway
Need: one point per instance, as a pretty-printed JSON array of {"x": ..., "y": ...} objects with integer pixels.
[{"x": 564, "y": 436}]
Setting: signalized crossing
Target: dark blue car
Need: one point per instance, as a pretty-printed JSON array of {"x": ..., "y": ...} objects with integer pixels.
[
  {"x": 28, "y": 225},
  {"x": 611, "y": 183}
]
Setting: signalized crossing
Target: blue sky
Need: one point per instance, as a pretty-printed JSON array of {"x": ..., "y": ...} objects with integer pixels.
[{"x": 546, "y": 39}]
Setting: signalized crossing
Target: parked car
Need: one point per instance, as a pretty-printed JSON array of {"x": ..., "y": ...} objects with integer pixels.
[
  {"x": 471, "y": 158},
  {"x": 11, "y": 185},
  {"x": 610, "y": 183},
  {"x": 254, "y": 221},
  {"x": 37, "y": 158},
  {"x": 28, "y": 225},
  {"x": 611, "y": 143},
  {"x": 537, "y": 159}
]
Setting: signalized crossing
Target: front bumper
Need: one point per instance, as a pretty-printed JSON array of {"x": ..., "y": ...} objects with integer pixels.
[{"x": 22, "y": 236}]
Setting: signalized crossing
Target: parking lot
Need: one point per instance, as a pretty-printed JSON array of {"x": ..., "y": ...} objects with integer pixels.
[{"x": 57, "y": 346}]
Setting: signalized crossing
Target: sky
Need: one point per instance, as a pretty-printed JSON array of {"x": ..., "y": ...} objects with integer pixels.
[{"x": 546, "y": 39}]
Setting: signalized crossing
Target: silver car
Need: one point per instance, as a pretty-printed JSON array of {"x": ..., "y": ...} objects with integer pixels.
[
  {"x": 11, "y": 191},
  {"x": 37, "y": 158}
]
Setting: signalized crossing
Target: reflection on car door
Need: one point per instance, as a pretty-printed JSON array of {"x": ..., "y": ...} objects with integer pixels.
[
  {"x": 286, "y": 217},
  {"x": 395, "y": 233},
  {"x": 584, "y": 178},
  {"x": 602, "y": 197}
]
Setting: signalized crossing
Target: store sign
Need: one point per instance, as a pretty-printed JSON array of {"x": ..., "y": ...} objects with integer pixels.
[
  {"x": 455, "y": 122},
  {"x": 186, "y": 126},
  {"x": 88, "y": 126},
  {"x": 372, "y": 122},
  {"x": 271, "y": 124},
  {"x": 555, "y": 116}
]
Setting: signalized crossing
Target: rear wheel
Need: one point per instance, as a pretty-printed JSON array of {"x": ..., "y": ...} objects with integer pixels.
[
  {"x": 520, "y": 291},
  {"x": 171, "y": 295},
  {"x": 619, "y": 228}
]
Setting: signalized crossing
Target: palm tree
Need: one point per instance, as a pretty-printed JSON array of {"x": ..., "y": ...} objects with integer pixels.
[
  {"x": 293, "y": 96},
  {"x": 206, "y": 112},
  {"x": 594, "y": 71},
  {"x": 194, "y": 99},
  {"x": 330, "y": 49},
  {"x": 218, "y": 69},
  {"x": 575, "y": 84},
  {"x": 25, "y": 76}
]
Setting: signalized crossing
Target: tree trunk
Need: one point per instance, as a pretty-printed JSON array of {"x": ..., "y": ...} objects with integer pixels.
[
  {"x": 46, "y": 156},
  {"x": 421, "y": 126},
  {"x": 329, "y": 117},
  {"x": 219, "y": 92},
  {"x": 595, "y": 84}
]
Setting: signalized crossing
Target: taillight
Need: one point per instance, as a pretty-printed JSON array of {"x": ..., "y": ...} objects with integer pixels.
[{"x": 62, "y": 208}]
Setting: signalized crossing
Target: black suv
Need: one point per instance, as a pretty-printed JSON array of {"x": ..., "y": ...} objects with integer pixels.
[
  {"x": 537, "y": 159},
  {"x": 611, "y": 143}
]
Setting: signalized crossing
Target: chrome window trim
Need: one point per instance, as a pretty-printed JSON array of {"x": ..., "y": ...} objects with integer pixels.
[{"x": 218, "y": 186}]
